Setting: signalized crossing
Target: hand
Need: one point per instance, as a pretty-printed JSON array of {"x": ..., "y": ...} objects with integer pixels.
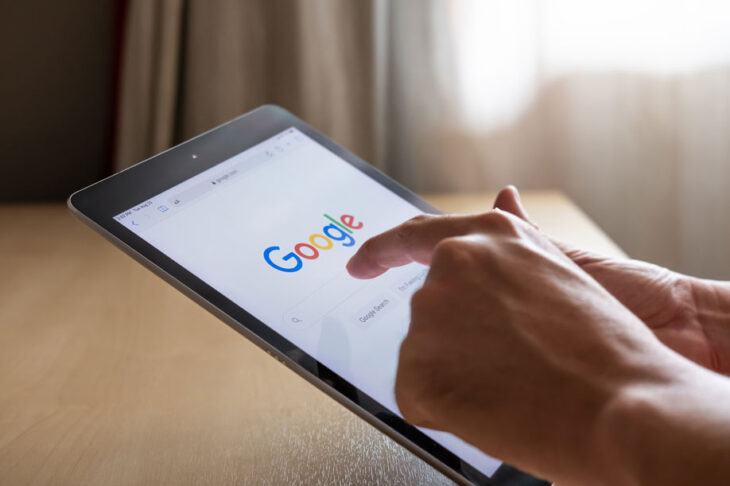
[
  {"x": 677, "y": 308},
  {"x": 512, "y": 346}
]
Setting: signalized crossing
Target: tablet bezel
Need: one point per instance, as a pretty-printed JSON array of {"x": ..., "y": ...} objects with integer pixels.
[{"x": 98, "y": 203}]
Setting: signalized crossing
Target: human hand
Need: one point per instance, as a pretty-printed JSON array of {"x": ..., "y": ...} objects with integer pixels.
[
  {"x": 680, "y": 310},
  {"x": 512, "y": 346}
]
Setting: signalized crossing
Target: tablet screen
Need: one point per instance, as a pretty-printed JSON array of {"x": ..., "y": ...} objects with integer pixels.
[{"x": 272, "y": 229}]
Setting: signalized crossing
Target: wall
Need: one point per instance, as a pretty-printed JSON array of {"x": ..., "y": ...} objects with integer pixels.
[{"x": 55, "y": 103}]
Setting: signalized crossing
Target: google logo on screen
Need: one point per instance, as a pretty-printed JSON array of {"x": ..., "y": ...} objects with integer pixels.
[{"x": 336, "y": 231}]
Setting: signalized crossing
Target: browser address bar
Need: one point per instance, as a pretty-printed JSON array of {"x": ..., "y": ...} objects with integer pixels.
[{"x": 220, "y": 179}]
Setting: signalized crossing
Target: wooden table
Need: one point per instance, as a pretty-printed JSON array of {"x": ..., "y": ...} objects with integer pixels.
[{"x": 109, "y": 376}]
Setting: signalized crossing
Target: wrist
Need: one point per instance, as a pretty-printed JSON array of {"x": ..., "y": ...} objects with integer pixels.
[
  {"x": 712, "y": 309},
  {"x": 672, "y": 428},
  {"x": 712, "y": 299}
]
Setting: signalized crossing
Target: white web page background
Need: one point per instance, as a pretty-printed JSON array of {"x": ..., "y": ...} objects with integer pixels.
[{"x": 279, "y": 198}]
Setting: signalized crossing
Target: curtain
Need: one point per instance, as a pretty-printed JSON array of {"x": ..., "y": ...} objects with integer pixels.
[
  {"x": 190, "y": 65},
  {"x": 624, "y": 106}
]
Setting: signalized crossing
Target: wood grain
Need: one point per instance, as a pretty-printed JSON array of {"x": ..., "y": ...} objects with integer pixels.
[{"x": 109, "y": 376}]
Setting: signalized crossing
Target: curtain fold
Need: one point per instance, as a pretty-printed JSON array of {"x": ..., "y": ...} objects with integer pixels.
[
  {"x": 455, "y": 95},
  {"x": 190, "y": 65},
  {"x": 149, "y": 80}
]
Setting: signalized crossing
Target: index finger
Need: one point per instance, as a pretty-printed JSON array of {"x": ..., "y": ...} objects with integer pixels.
[{"x": 412, "y": 241}]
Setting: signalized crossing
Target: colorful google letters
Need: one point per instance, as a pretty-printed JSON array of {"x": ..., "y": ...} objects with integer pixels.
[{"x": 336, "y": 231}]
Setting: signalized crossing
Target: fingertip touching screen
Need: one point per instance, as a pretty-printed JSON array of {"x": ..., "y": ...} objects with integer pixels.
[{"x": 272, "y": 229}]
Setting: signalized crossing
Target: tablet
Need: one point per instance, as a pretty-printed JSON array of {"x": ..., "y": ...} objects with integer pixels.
[{"x": 255, "y": 220}]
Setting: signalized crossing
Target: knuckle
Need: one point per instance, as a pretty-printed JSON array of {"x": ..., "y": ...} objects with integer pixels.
[
  {"x": 497, "y": 220},
  {"x": 421, "y": 218},
  {"x": 452, "y": 252},
  {"x": 406, "y": 230}
]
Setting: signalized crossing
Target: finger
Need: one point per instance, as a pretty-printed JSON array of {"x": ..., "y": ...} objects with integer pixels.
[
  {"x": 509, "y": 200},
  {"x": 412, "y": 241}
]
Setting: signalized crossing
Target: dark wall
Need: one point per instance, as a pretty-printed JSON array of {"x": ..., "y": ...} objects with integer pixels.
[{"x": 56, "y": 61}]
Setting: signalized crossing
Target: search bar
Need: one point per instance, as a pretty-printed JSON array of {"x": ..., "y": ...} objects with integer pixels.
[
  {"x": 365, "y": 299},
  {"x": 323, "y": 300}
]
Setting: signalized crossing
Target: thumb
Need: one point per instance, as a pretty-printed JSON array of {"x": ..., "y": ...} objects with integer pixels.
[{"x": 508, "y": 200}]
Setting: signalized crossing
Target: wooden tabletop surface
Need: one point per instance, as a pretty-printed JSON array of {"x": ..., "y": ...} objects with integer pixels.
[{"x": 110, "y": 376}]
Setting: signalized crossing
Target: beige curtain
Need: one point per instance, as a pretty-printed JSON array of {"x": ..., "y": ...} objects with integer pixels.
[
  {"x": 191, "y": 65},
  {"x": 647, "y": 155}
]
